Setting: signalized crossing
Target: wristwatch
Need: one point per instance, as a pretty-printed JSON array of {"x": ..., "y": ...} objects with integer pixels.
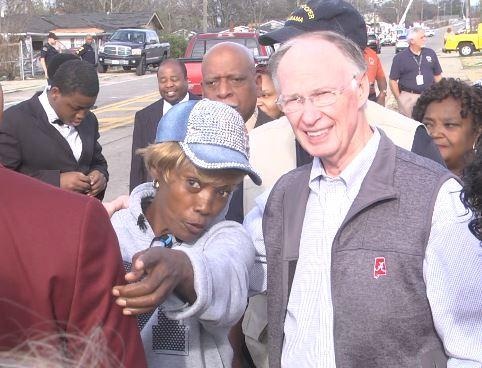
[{"x": 384, "y": 91}]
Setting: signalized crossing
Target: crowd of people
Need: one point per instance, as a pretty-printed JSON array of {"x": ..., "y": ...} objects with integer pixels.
[{"x": 285, "y": 218}]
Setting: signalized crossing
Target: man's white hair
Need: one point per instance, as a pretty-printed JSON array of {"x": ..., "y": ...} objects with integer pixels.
[{"x": 413, "y": 32}]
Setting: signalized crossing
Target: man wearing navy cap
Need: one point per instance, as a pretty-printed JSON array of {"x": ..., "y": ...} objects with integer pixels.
[
  {"x": 274, "y": 150},
  {"x": 363, "y": 245}
]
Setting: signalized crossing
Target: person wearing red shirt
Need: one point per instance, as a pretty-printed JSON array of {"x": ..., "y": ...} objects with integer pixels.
[{"x": 375, "y": 74}]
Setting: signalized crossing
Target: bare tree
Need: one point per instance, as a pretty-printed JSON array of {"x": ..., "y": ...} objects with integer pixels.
[{"x": 112, "y": 6}]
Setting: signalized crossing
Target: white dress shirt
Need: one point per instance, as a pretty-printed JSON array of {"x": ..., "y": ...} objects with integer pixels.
[
  {"x": 452, "y": 269},
  {"x": 166, "y": 106},
  {"x": 69, "y": 132}
]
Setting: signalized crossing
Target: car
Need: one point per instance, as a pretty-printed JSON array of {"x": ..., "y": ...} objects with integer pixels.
[
  {"x": 200, "y": 43},
  {"x": 133, "y": 48},
  {"x": 429, "y": 32},
  {"x": 401, "y": 44},
  {"x": 387, "y": 41},
  {"x": 466, "y": 43},
  {"x": 374, "y": 43}
]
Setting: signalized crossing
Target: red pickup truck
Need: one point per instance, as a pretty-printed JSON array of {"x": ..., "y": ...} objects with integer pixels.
[{"x": 200, "y": 43}]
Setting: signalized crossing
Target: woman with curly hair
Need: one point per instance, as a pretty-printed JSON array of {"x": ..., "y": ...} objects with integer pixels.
[
  {"x": 452, "y": 112},
  {"x": 472, "y": 192}
]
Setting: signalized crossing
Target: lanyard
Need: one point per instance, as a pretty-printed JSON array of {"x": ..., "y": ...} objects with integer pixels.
[{"x": 418, "y": 62}]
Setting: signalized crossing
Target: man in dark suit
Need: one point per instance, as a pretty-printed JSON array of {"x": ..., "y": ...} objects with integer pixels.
[
  {"x": 61, "y": 259},
  {"x": 173, "y": 84},
  {"x": 54, "y": 137}
]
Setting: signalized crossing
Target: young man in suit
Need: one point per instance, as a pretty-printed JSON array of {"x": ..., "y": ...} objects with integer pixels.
[
  {"x": 54, "y": 137},
  {"x": 61, "y": 260},
  {"x": 173, "y": 84}
]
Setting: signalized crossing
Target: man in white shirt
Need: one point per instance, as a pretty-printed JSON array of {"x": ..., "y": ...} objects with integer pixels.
[{"x": 368, "y": 247}]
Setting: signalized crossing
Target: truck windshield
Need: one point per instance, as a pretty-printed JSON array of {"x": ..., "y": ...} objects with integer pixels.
[
  {"x": 128, "y": 36},
  {"x": 201, "y": 46}
]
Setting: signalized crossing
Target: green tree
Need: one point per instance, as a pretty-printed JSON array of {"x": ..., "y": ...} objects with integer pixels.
[{"x": 178, "y": 44}]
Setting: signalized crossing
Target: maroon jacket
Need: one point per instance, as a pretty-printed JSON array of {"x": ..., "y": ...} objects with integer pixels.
[{"x": 60, "y": 259}]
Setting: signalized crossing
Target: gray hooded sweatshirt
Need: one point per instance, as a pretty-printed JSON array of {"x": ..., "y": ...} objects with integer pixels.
[{"x": 177, "y": 334}]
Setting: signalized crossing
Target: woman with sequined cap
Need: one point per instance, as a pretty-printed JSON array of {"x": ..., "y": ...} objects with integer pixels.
[{"x": 200, "y": 285}]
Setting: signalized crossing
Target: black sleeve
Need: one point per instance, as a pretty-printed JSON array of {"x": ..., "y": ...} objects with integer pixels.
[
  {"x": 138, "y": 174},
  {"x": 423, "y": 145},
  {"x": 43, "y": 52},
  {"x": 98, "y": 160},
  {"x": 236, "y": 210},
  {"x": 11, "y": 149}
]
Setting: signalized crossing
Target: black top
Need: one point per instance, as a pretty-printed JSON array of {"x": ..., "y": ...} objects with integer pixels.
[
  {"x": 48, "y": 52},
  {"x": 87, "y": 53},
  {"x": 407, "y": 65}
]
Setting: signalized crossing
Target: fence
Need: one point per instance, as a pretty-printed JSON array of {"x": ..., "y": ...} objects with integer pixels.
[{"x": 18, "y": 60}]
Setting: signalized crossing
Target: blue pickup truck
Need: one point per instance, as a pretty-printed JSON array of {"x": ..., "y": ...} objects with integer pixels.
[{"x": 132, "y": 48}]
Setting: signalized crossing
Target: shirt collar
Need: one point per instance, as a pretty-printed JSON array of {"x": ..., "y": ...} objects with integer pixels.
[
  {"x": 49, "y": 110},
  {"x": 356, "y": 170},
  {"x": 168, "y": 105}
]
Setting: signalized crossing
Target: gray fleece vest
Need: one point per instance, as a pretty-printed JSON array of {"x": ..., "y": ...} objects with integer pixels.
[{"x": 382, "y": 316}]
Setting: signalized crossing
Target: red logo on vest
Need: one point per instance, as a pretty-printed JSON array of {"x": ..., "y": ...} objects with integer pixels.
[{"x": 379, "y": 267}]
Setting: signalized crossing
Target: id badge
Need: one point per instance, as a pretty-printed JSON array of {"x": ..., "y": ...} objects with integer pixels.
[{"x": 419, "y": 80}]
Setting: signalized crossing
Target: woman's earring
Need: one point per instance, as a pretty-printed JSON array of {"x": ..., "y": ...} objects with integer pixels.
[
  {"x": 476, "y": 144},
  {"x": 155, "y": 183}
]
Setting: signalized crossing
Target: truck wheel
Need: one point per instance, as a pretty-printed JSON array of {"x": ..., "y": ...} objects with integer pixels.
[
  {"x": 126, "y": 68},
  {"x": 466, "y": 49},
  {"x": 141, "y": 67},
  {"x": 101, "y": 68}
]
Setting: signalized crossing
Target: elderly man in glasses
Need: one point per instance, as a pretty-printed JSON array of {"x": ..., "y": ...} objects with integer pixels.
[{"x": 363, "y": 245}]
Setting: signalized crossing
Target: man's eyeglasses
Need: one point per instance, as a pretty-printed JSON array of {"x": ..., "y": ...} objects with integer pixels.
[{"x": 318, "y": 98}]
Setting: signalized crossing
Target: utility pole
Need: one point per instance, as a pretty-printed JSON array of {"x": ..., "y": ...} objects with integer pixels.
[
  {"x": 421, "y": 13},
  {"x": 205, "y": 16}
]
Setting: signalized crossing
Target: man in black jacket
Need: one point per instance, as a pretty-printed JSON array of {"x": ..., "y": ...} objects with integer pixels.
[
  {"x": 173, "y": 84},
  {"x": 54, "y": 137},
  {"x": 86, "y": 51}
]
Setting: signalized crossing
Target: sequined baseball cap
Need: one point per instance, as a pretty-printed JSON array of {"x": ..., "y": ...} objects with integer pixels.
[{"x": 211, "y": 134}]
